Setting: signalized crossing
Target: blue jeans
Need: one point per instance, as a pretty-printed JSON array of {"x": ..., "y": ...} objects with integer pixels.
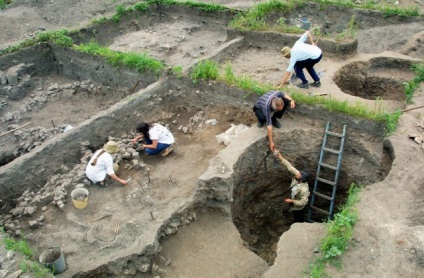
[
  {"x": 160, "y": 147},
  {"x": 309, "y": 66}
]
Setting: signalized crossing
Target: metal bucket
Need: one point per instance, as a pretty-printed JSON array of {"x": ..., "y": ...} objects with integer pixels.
[
  {"x": 306, "y": 24},
  {"x": 53, "y": 258}
]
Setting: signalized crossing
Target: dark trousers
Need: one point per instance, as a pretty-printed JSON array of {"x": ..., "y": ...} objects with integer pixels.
[
  {"x": 309, "y": 66},
  {"x": 299, "y": 215},
  {"x": 276, "y": 115}
]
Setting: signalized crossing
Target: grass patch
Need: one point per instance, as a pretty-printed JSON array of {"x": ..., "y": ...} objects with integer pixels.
[
  {"x": 350, "y": 32},
  {"x": 4, "y": 3},
  {"x": 60, "y": 38},
  {"x": 413, "y": 84},
  {"x": 140, "y": 62},
  {"x": 339, "y": 233},
  {"x": 205, "y": 70},
  {"x": 34, "y": 269},
  {"x": 202, "y": 6}
]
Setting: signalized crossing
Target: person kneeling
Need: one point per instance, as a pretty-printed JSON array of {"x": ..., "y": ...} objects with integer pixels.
[{"x": 157, "y": 138}]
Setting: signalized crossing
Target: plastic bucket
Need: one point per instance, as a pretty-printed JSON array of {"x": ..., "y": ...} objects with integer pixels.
[
  {"x": 306, "y": 24},
  {"x": 53, "y": 258},
  {"x": 80, "y": 197}
]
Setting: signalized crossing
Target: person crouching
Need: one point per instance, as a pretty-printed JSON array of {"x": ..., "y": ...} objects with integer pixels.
[{"x": 101, "y": 165}]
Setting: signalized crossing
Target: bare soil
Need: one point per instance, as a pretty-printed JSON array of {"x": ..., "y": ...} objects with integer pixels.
[{"x": 389, "y": 238}]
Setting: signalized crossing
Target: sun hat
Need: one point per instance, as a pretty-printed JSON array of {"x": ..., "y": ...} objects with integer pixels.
[
  {"x": 111, "y": 147},
  {"x": 285, "y": 51}
]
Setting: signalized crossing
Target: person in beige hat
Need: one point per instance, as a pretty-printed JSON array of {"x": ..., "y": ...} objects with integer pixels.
[
  {"x": 301, "y": 56},
  {"x": 101, "y": 164}
]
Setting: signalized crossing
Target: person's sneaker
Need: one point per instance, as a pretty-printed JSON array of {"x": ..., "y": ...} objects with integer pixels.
[
  {"x": 167, "y": 151},
  {"x": 259, "y": 124},
  {"x": 316, "y": 84},
  {"x": 276, "y": 124},
  {"x": 303, "y": 86}
]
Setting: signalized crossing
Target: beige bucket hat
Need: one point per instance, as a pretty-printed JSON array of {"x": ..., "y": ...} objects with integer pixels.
[
  {"x": 285, "y": 51},
  {"x": 111, "y": 147}
]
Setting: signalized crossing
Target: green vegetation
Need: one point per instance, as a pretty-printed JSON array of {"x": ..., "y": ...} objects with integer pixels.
[
  {"x": 350, "y": 32},
  {"x": 205, "y": 70},
  {"x": 140, "y": 62},
  {"x": 177, "y": 71},
  {"x": 339, "y": 233},
  {"x": 413, "y": 84},
  {"x": 254, "y": 19},
  {"x": 4, "y": 3},
  {"x": 27, "y": 266},
  {"x": 60, "y": 38},
  {"x": 202, "y": 6}
]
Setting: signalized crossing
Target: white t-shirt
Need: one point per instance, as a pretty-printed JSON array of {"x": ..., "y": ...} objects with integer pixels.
[
  {"x": 160, "y": 133},
  {"x": 104, "y": 166},
  {"x": 302, "y": 51}
]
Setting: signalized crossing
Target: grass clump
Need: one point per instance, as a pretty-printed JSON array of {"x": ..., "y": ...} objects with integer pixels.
[
  {"x": 60, "y": 38},
  {"x": 202, "y": 6},
  {"x": 413, "y": 84},
  {"x": 140, "y": 62},
  {"x": 350, "y": 32},
  {"x": 339, "y": 233},
  {"x": 27, "y": 266},
  {"x": 205, "y": 70},
  {"x": 254, "y": 19},
  {"x": 4, "y": 3}
]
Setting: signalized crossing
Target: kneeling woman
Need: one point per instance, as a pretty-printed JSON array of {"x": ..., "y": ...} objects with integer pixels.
[
  {"x": 101, "y": 164},
  {"x": 156, "y": 137}
]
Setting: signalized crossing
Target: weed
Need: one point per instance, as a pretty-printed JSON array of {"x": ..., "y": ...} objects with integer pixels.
[
  {"x": 140, "y": 62},
  {"x": 18, "y": 245},
  {"x": 339, "y": 233},
  {"x": 35, "y": 269},
  {"x": 177, "y": 71},
  {"x": 350, "y": 32},
  {"x": 60, "y": 38},
  {"x": 207, "y": 69}
]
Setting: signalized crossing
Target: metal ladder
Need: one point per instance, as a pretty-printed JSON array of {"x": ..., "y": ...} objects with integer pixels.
[{"x": 321, "y": 183}]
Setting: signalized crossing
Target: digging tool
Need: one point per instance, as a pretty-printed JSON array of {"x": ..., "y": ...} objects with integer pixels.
[
  {"x": 12, "y": 130},
  {"x": 317, "y": 94},
  {"x": 265, "y": 157}
]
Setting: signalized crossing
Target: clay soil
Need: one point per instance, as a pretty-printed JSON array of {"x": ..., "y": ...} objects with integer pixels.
[{"x": 388, "y": 241}]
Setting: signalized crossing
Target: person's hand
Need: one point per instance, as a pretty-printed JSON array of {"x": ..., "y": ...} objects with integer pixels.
[
  {"x": 292, "y": 104},
  {"x": 124, "y": 182},
  {"x": 288, "y": 201},
  {"x": 279, "y": 85},
  {"x": 280, "y": 156},
  {"x": 133, "y": 141},
  {"x": 272, "y": 147}
]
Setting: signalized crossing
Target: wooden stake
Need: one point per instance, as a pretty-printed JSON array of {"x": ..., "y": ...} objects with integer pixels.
[
  {"x": 404, "y": 110},
  {"x": 12, "y": 130}
]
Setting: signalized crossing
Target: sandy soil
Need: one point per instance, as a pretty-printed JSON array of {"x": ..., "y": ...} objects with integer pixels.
[{"x": 388, "y": 240}]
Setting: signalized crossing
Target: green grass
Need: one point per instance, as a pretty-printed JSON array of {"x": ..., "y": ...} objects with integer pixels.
[
  {"x": 27, "y": 266},
  {"x": 339, "y": 233},
  {"x": 140, "y": 62},
  {"x": 350, "y": 32},
  {"x": 205, "y": 70},
  {"x": 4, "y": 3},
  {"x": 60, "y": 38},
  {"x": 412, "y": 85},
  {"x": 202, "y": 6}
]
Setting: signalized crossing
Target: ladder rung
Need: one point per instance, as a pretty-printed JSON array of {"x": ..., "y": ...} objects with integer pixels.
[
  {"x": 334, "y": 134},
  {"x": 328, "y": 166},
  {"x": 326, "y": 181},
  {"x": 320, "y": 210},
  {"x": 331, "y": 150},
  {"x": 323, "y": 196}
]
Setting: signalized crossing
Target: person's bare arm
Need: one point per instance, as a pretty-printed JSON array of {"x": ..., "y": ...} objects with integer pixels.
[
  {"x": 284, "y": 80},
  {"x": 136, "y": 139},
  {"x": 115, "y": 177},
  {"x": 153, "y": 145},
  {"x": 270, "y": 139},
  {"x": 310, "y": 37}
]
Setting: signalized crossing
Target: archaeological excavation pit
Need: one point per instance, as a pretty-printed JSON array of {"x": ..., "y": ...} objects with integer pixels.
[
  {"x": 261, "y": 182},
  {"x": 49, "y": 90},
  {"x": 379, "y": 78}
]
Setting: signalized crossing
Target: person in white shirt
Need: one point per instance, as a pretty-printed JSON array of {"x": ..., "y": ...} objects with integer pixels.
[
  {"x": 157, "y": 138},
  {"x": 101, "y": 164},
  {"x": 301, "y": 56}
]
